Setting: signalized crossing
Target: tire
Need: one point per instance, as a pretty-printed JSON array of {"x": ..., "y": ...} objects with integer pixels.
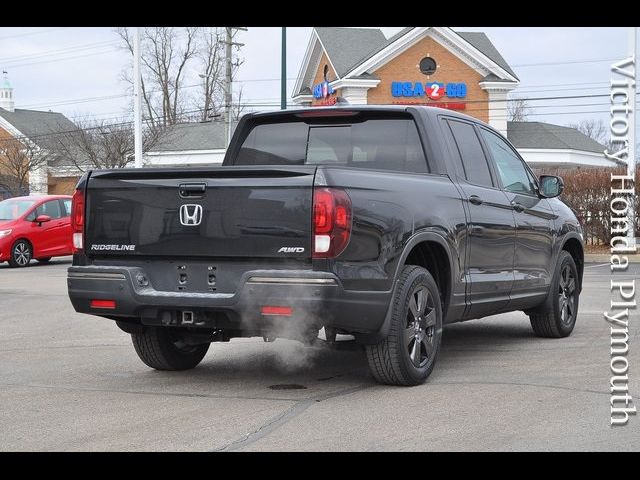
[
  {"x": 21, "y": 254},
  {"x": 161, "y": 348},
  {"x": 556, "y": 317},
  {"x": 44, "y": 260},
  {"x": 408, "y": 354}
]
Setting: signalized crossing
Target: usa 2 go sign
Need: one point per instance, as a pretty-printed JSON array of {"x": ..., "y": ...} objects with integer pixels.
[{"x": 433, "y": 90}]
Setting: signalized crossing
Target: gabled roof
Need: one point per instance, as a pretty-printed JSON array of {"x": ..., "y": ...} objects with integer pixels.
[
  {"x": 346, "y": 46},
  {"x": 541, "y": 135},
  {"x": 375, "y": 48},
  {"x": 38, "y": 126},
  {"x": 482, "y": 43}
]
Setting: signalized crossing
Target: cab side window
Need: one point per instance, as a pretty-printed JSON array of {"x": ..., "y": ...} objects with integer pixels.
[
  {"x": 514, "y": 175},
  {"x": 475, "y": 164}
]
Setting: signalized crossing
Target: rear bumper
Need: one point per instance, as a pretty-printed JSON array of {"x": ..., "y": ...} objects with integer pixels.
[{"x": 315, "y": 297}]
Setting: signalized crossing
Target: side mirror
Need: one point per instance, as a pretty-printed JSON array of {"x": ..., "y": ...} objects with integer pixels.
[
  {"x": 40, "y": 219},
  {"x": 551, "y": 186}
]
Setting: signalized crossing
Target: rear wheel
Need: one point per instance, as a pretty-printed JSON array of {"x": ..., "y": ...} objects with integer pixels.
[
  {"x": 408, "y": 354},
  {"x": 162, "y": 348},
  {"x": 21, "y": 254},
  {"x": 556, "y": 317}
]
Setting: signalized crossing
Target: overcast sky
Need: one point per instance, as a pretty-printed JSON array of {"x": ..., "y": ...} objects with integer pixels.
[{"x": 52, "y": 67}]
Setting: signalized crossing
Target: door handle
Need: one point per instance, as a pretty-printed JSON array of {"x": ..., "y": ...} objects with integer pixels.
[
  {"x": 192, "y": 190},
  {"x": 476, "y": 200},
  {"x": 518, "y": 207}
]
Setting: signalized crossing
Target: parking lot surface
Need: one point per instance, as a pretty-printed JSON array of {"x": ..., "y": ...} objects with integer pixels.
[{"x": 73, "y": 382}]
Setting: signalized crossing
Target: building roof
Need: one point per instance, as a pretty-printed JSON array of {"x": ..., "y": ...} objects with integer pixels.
[
  {"x": 345, "y": 47},
  {"x": 192, "y": 136},
  {"x": 38, "y": 126},
  {"x": 482, "y": 43},
  {"x": 376, "y": 47},
  {"x": 546, "y": 135},
  {"x": 348, "y": 48}
]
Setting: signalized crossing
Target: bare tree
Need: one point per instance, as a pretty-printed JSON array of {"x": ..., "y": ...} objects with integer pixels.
[
  {"x": 518, "y": 110},
  {"x": 165, "y": 53},
  {"x": 97, "y": 144},
  {"x": 237, "y": 108},
  {"x": 19, "y": 158},
  {"x": 212, "y": 57},
  {"x": 595, "y": 129},
  {"x": 171, "y": 56}
]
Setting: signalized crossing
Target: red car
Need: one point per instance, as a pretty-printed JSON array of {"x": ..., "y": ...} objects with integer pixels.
[{"x": 35, "y": 227}]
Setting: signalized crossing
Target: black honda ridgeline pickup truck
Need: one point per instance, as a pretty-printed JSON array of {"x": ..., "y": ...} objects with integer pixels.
[{"x": 380, "y": 222}]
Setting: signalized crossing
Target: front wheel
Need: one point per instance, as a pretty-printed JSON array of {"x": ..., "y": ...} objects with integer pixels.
[
  {"x": 21, "y": 254},
  {"x": 162, "y": 348},
  {"x": 556, "y": 317},
  {"x": 408, "y": 354}
]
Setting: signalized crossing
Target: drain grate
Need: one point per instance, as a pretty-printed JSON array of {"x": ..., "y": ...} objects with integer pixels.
[{"x": 287, "y": 386}]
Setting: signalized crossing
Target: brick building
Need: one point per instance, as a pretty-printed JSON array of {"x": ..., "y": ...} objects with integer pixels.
[{"x": 434, "y": 66}]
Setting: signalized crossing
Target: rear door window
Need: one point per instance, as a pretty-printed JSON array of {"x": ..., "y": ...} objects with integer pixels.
[
  {"x": 50, "y": 208},
  {"x": 375, "y": 143},
  {"x": 475, "y": 163}
]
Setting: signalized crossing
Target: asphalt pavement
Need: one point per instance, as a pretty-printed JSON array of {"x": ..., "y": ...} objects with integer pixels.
[{"x": 73, "y": 382}]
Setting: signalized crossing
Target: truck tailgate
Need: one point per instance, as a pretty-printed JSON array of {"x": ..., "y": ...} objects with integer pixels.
[{"x": 219, "y": 212}]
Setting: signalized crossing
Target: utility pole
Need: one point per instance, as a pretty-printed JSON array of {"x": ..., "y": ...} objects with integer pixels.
[
  {"x": 137, "y": 111},
  {"x": 283, "y": 73},
  {"x": 228, "y": 86}
]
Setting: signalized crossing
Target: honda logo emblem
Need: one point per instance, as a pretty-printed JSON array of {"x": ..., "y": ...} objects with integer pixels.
[{"x": 190, "y": 215}]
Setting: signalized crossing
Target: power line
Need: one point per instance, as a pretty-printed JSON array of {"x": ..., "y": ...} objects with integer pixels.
[
  {"x": 49, "y": 60},
  {"x": 108, "y": 97},
  {"x": 272, "y": 104},
  {"x": 32, "y": 33},
  {"x": 275, "y": 104},
  {"x": 565, "y": 62},
  {"x": 49, "y": 53}
]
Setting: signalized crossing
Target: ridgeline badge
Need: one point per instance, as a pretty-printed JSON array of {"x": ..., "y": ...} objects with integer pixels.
[{"x": 112, "y": 248}]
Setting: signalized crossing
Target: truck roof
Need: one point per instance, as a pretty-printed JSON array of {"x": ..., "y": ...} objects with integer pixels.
[{"x": 423, "y": 109}]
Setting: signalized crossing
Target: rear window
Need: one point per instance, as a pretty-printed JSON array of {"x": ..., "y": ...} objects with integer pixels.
[{"x": 374, "y": 143}]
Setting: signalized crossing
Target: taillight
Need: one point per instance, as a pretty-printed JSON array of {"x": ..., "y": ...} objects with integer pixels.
[
  {"x": 331, "y": 112},
  {"x": 276, "y": 311},
  {"x": 107, "y": 304},
  {"x": 77, "y": 220},
  {"x": 331, "y": 222}
]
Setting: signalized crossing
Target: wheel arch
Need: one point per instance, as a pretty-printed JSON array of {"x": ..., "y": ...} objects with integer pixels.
[
  {"x": 26, "y": 239},
  {"x": 573, "y": 245},
  {"x": 13, "y": 246},
  {"x": 431, "y": 251}
]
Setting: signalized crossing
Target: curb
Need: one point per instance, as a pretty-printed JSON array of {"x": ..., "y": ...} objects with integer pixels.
[{"x": 606, "y": 258}]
